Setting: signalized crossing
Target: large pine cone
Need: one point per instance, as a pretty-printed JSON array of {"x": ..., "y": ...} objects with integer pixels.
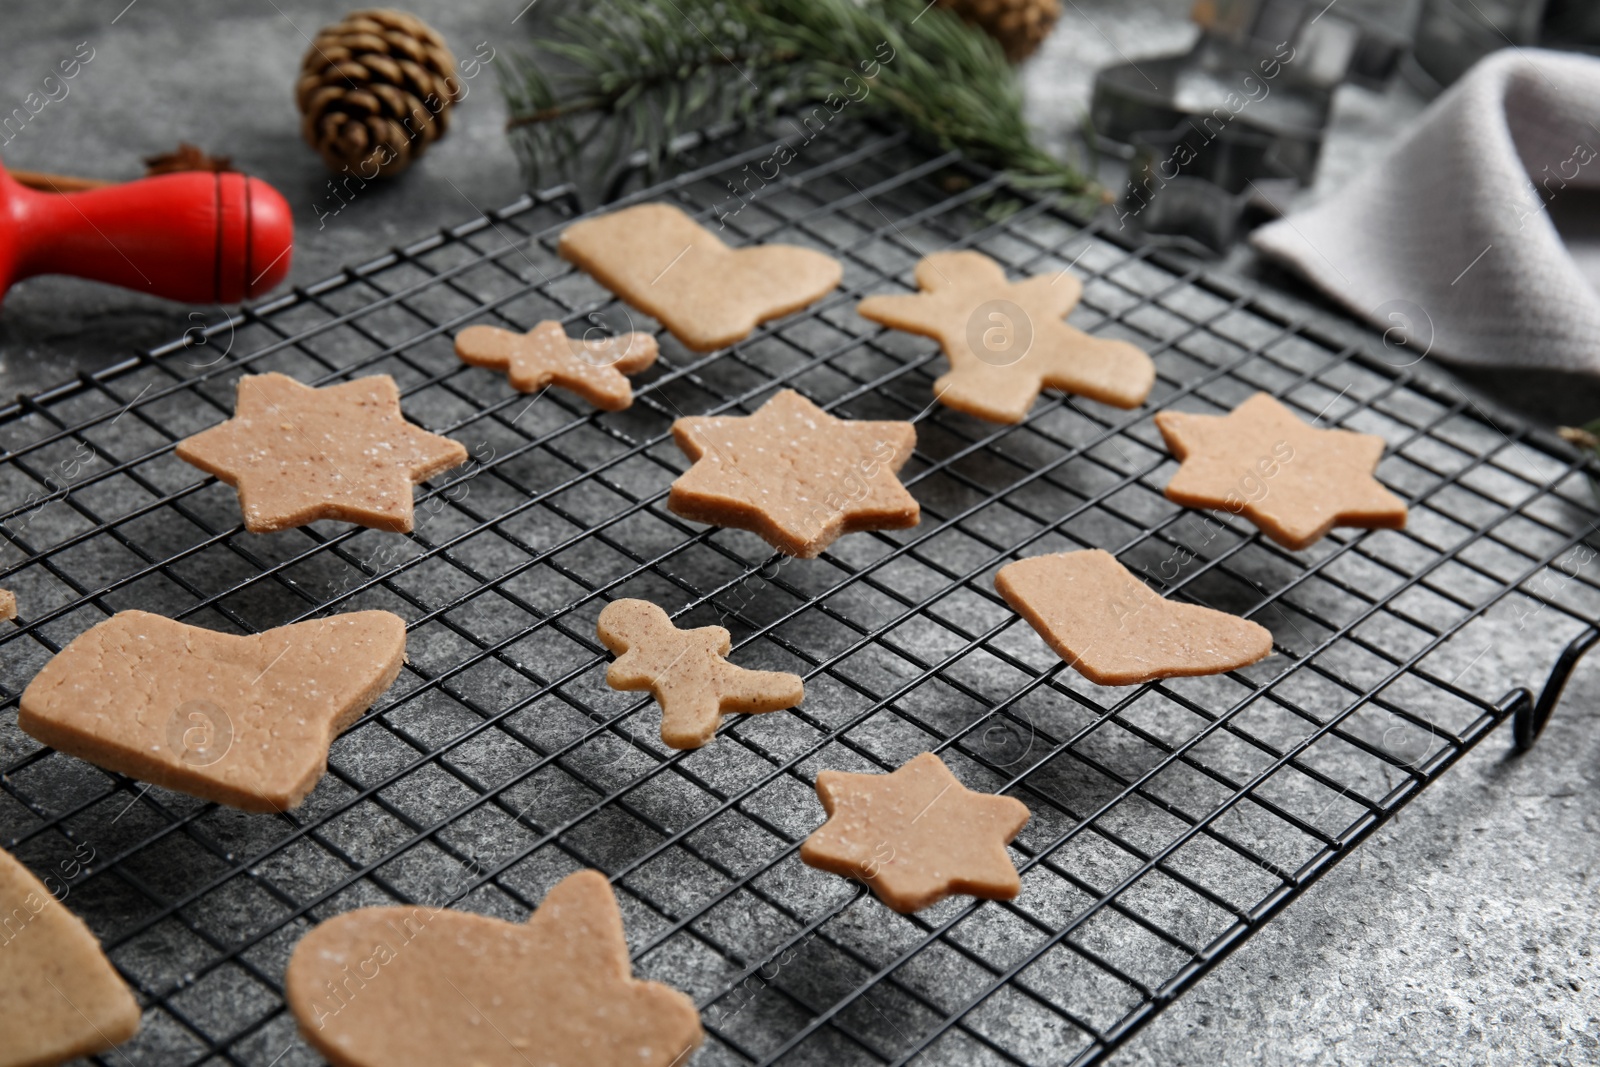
[
  {"x": 1019, "y": 25},
  {"x": 375, "y": 91}
]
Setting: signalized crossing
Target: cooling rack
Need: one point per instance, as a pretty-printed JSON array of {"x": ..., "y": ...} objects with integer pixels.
[{"x": 1170, "y": 821}]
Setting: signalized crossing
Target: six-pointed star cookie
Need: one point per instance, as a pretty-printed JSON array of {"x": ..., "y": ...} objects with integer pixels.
[
  {"x": 595, "y": 369},
  {"x": 1115, "y": 630},
  {"x": 686, "y": 672},
  {"x": 1292, "y": 480},
  {"x": 298, "y": 454},
  {"x": 426, "y": 987},
  {"x": 916, "y": 835},
  {"x": 794, "y": 474},
  {"x": 708, "y": 295},
  {"x": 1006, "y": 340}
]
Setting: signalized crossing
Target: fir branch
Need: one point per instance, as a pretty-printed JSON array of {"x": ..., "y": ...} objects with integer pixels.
[{"x": 643, "y": 72}]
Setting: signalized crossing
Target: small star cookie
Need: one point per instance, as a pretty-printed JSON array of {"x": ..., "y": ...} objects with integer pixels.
[
  {"x": 1006, "y": 340},
  {"x": 424, "y": 986},
  {"x": 794, "y": 474},
  {"x": 594, "y": 369},
  {"x": 1115, "y": 630},
  {"x": 298, "y": 454},
  {"x": 60, "y": 998},
  {"x": 916, "y": 835},
  {"x": 686, "y": 672},
  {"x": 1292, "y": 480},
  {"x": 708, "y": 295}
]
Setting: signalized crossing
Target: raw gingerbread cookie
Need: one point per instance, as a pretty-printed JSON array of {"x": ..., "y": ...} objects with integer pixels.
[
  {"x": 60, "y": 998},
  {"x": 916, "y": 835},
  {"x": 244, "y": 721},
  {"x": 708, "y": 295},
  {"x": 298, "y": 454},
  {"x": 596, "y": 369},
  {"x": 794, "y": 474},
  {"x": 1292, "y": 480},
  {"x": 1115, "y": 630},
  {"x": 424, "y": 987},
  {"x": 1006, "y": 340},
  {"x": 685, "y": 670}
]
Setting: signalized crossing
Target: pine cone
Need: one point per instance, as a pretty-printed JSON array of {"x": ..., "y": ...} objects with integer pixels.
[
  {"x": 375, "y": 91},
  {"x": 1019, "y": 25}
]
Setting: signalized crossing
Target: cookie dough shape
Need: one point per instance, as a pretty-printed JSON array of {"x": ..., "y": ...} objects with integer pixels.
[
  {"x": 244, "y": 721},
  {"x": 706, "y": 294},
  {"x": 1006, "y": 340},
  {"x": 687, "y": 672},
  {"x": 60, "y": 998},
  {"x": 794, "y": 475},
  {"x": 298, "y": 454},
  {"x": 1292, "y": 480},
  {"x": 916, "y": 835},
  {"x": 1115, "y": 630},
  {"x": 596, "y": 370},
  {"x": 420, "y": 987}
]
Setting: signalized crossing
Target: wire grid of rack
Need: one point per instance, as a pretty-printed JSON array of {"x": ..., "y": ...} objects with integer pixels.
[{"x": 1169, "y": 821}]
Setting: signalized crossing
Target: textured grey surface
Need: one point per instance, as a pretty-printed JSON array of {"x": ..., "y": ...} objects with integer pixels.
[{"x": 1462, "y": 933}]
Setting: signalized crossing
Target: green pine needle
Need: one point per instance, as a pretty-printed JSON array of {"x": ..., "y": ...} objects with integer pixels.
[{"x": 641, "y": 73}]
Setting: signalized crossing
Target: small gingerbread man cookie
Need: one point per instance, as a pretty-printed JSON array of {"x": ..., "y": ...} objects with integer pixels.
[
  {"x": 1006, "y": 340},
  {"x": 595, "y": 369},
  {"x": 687, "y": 672}
]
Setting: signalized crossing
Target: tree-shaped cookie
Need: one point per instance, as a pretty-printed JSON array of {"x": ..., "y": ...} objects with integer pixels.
[
  {"x": 1006, "y": 340},
  {"x": 1115, "y": 630},
  {"x": 60, "y": 998},
  {"x": 708, "y": 295},
  {"x": 687, "y": 672},
  {"x": 244, "y": 721},
  {"x": 594, "y": 368},
  {"x": 916, "y": 835},
  {"x": 1292, "y": 480},
  {"x": 298, "y": 454},
  {"x": 425, "y": 987},
  {"x": 794, "y": 474}
]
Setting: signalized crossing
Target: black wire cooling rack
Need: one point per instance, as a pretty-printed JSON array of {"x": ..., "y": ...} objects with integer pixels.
[{"x": 1170, "y": 821}]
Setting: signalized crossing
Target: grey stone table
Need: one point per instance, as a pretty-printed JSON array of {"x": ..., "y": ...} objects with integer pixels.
[{"x": 1462, "y": 933}]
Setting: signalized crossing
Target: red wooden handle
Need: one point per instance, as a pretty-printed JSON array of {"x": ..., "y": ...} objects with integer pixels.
[{"x": 199, "y": 237}]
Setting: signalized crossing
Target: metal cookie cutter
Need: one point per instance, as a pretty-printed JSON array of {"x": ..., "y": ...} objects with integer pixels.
[{"x": 1210, "y": 132}]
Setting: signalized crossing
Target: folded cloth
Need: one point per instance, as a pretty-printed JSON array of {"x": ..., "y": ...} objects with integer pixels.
[{"x": 1446, "y": 244}]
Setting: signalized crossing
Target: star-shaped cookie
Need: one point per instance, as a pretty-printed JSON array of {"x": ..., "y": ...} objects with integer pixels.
[
  {"x": 1292, "y": 480},
  {"x": 1115, "y": 630},
  {"x": 595, "y": 369},
  {"x": 298, "y": 454},
  {"x": 708, "y": 295},
  {"x": 1006, "y": 340},
  {"x": 426, "y": 986},
  {"x": 687, "y": 672},
  {"x": 794, "y": 474},
  {"x": 916, "y": 835}
]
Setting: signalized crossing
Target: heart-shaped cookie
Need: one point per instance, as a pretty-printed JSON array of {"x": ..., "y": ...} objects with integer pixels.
[
  {"x": 423, "y": 987},
  {"x": 706, "y": 294},
  {"x": 245, "y": 721}
]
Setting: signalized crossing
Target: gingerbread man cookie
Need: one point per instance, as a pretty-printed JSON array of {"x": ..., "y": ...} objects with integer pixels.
[
  {"x": 708, "y": 295},
  {"x": 298, "y": 454},
  {"x": 595, "y": 369},
  {"x": 916, "y": 835},
  {"x": 1292, "y": 480},
  {"x": 1115, "y": 630},
  {"x": 687, "y": 672},
  {"x": 1006, "y": 340},
  {"x": 60, "y": 998},
  {"x": 794, "y": 474},
  {"x": 424, "y": 986},
  {"x": 244, "y": 721},
  {"x": 8, "y": 604}
]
